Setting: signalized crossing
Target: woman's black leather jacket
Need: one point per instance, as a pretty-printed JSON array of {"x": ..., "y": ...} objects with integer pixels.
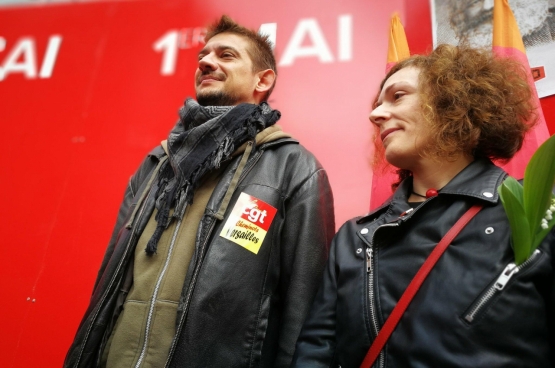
[{"x": 475, "y": 309}]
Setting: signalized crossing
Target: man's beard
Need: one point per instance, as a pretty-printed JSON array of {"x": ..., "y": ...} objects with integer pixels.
[{"x": 218, "y": 98}]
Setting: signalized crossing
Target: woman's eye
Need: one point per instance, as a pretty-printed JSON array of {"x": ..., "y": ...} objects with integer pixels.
[{"x": 398, "y": 95}]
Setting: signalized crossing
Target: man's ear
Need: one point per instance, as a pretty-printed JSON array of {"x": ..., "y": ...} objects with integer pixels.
[{"x": 266, "y": 79}]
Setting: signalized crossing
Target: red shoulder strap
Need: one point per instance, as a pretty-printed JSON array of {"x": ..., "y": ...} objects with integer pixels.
[{"x": 413, "y": 287}]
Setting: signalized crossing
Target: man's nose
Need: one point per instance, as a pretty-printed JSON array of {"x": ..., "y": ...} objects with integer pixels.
[{"x": 207, "y": 63}]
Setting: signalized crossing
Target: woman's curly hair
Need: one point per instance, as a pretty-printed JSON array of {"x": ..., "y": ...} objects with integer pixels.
[{"x": 476, "y": 103}]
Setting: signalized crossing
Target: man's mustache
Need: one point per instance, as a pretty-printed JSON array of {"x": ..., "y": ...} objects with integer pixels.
[{"x": 204, "y": 75}]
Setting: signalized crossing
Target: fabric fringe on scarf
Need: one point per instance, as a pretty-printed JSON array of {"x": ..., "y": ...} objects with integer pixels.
[{"x": 203, "y": 138}]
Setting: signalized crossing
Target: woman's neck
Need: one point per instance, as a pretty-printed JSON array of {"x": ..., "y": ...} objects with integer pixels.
[{"x": 435, "y": 175}]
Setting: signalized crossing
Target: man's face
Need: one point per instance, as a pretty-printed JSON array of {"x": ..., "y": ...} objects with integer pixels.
[{"x": 225, "y": 74}]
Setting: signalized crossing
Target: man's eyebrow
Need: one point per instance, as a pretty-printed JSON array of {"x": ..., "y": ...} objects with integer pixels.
[{"x": 221, "y": 48}]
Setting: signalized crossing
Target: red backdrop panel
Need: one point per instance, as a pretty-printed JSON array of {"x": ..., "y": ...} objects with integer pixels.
[{"x": 71, "y": 140}]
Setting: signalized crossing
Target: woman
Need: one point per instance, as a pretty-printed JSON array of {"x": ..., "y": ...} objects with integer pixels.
[{"x": 441, "y": 118}]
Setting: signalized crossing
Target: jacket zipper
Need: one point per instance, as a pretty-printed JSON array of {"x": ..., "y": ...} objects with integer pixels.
[
  {"x": 189, "y": 294},
  {"x": 103, "y": 299},
  {"x": 369, "y": 271},
  {"x": 510, "y": 270},
  {"x": 155, "y": 295}
]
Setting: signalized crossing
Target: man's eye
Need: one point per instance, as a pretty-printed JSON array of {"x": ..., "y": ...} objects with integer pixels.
[{"x": 227, "y": 55}]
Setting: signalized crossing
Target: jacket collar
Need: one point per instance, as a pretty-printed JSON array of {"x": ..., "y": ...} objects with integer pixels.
[{"x": 480, "y": 180}]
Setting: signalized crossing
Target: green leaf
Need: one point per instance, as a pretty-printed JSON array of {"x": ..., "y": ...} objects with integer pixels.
[
  {"x": 515, "y": 188},
  {"x": 538, "y": 183},
  {"x": 510, "y": 193}
]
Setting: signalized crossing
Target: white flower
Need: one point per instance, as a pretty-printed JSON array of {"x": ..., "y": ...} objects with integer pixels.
[
  {"x": 548, "y": 214},
  {"x": 544, "y": 225}
]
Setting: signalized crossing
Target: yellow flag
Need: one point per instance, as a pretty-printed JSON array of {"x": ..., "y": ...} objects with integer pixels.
[
  {"x": 398, "y": 48},
  {"x": 505, "y": 28}
]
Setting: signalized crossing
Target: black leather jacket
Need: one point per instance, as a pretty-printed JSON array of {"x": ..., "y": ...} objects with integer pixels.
[
  {"x": 237, "y": 308},
  {"x": 464, "y": 315}
]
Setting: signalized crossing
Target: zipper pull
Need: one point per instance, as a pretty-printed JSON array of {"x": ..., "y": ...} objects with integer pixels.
[
  {"x": 505, "y": 276},
  {"x": 369, "y": 251},
  {"x": 406, "y": 212}
]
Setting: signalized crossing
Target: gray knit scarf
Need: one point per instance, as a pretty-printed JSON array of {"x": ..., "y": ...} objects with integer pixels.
[{"x": 203, "y": 138}]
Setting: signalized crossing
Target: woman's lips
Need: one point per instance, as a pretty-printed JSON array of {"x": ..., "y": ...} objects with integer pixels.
[{"x": 387, "y": 132}]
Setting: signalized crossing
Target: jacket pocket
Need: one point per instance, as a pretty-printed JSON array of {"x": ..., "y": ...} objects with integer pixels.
[{"x": 495, "y": 290}]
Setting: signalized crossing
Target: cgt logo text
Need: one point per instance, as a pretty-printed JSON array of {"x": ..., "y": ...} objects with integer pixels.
[
  {"x": 22, "y": 58},
  {"x": 248, "y": 222},
  {"x": 254, "y": 214}
]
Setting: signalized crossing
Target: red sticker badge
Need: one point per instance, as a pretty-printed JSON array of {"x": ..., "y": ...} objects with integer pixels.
[{"x": 249, "y": 222}]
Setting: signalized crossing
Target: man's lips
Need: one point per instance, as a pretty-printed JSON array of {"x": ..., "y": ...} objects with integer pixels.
[
  {"x": 387, "y": 132},
  {"x": 208, "y": 78}
]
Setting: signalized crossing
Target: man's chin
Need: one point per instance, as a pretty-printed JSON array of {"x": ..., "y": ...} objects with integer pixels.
[{"x": 216, "y": 98}]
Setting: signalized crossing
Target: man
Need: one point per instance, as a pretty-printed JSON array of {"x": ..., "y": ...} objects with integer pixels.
[{"x": 223, "y": 232}]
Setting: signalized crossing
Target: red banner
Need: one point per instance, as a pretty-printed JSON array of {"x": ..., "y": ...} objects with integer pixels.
[{"x": 87, "y": 89}]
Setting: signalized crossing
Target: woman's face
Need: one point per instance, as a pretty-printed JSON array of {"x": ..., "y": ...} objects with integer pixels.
[{"x": 398, "y": 115}]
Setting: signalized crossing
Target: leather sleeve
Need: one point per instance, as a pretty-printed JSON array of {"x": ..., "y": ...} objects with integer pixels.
[
  {"x": 316, "y": 344},
  {"x": 127, "y": 206},
  {"x": 75, "y": 352},
  {"x": 308, "y": 230}
]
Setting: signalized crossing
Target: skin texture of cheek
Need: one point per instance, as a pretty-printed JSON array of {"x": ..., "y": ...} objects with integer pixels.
[{"x": 407, "y": 152}]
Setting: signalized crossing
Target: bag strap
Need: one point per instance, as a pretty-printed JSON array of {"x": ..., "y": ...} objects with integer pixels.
[{"x": 413, "y": 287}]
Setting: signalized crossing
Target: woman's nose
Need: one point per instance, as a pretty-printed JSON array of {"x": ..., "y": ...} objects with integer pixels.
[{"x": 378, "y": 115}]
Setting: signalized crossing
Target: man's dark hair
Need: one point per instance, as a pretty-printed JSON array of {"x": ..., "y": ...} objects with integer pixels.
[{"x": 260, "y": 52}]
